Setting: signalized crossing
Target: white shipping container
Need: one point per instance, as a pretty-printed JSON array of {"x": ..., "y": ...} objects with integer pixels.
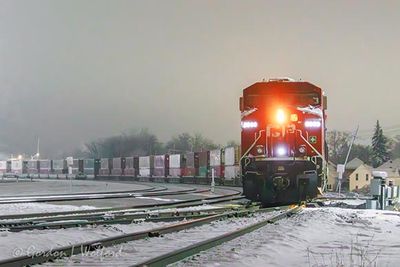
[
  {"x": 116, "y": 163},
  {"x": 16, "y": 166},
  {"x": 175, "y": 161},
  {"x": 45, "y": 164},
  {"x": 231, "y": 172},
  {"x": 146, "y": 162},
  {"x": 58, "y": 164},
  {"x": 215, "y": 157},
  {"x": 3, "y": 165},
  {"x": 104, "y": 163},
  {"x": 145, "y": 172},
  {"x": 229, "y": 156}
]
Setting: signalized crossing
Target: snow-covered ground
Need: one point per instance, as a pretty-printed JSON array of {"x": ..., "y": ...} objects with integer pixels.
[
  {"x": 20, "y": 208},
  {"x": 29, "y": 242},
  {"x": 315, "y": 237},
  {"x": 137, "y": 251},
  {"x": 38, "y": 240}
]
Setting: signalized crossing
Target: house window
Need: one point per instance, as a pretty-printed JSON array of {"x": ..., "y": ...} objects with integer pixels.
[
  {"x": 356, "y": 187},
  {"x": 356, "y": 176},
  {"x": 366, "y": 177}
]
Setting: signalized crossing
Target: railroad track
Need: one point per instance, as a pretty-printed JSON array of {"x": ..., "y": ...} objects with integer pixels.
[
  {"x": 91, "y": 196},
  {"x": 161, "y": 260},
  {"x": 68, "y": 219},
  {"x": 182, "y": 253}
]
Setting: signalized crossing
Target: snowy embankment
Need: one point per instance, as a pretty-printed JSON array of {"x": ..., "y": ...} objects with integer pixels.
[{"x": 315, "y": 237}]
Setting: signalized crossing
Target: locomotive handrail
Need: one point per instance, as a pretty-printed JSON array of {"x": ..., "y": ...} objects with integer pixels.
[
  {"x": 251, "y": 147},
  {"x": 324, "y": 163}
]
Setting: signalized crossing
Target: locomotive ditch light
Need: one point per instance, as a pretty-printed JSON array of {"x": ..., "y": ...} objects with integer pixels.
[
  {"x": 280, "y": 116},
  {"x": 312, "y": 123},
  {"x": 249, "y": 124}
]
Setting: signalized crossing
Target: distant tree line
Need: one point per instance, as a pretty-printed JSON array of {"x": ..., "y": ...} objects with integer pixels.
[
  {"x": 143, "y": 142},
  {"x": 381, "y": 149}
]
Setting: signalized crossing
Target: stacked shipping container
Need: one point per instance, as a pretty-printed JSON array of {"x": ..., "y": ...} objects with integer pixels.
[
  {"x": 191, "y": 168},
  {"x": 88, "y": 166},
  {"x": 176, "y": 165},
  {"x": 104, "y": 167},
  {"x": 44, "y": 166},
  {"x": 17, "y": 166},
  {"x": 146, "y": 166},
  {"x": 117, "y": 166},
  {"x": 33, "y": 166},
  {"x": 59, "y": 166},
  {"x": 130, "y": 166},
  {"x": 216, "y": 162},
  {"x": 161, "y": 165},
  {"x": 3, "y": 167},
  {"x": 231, "y": 156},
  {"x": 204, "y": 163}
]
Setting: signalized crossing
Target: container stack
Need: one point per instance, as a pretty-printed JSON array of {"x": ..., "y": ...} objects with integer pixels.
[
  {"x": 192, "y": 165},
  {"x": 33, "y": 166},
  {"x": 146, "y": 166},
  {"x": 204, "y": 163},
  {"x": 17, "y": 166},
  {"x": 104, "y": 167},
  {"x": 44, "y": 166},
  {"x": 129, "y": 167},
  {"x": 161, "y": 165},
  {"x": 59, "y": 166},
  {"x": 176, "y": 165},
  {"x": 117, "y": 166},
  {"x": 231, "y": 163},
  {"x": 88, "y": 166},
  {"x": 216, "y": 163},
  {"x": 3, "y": 167}
]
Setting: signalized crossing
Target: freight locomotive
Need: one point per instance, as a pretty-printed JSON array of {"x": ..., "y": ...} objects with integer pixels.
[{"x": 283, "y": 149}]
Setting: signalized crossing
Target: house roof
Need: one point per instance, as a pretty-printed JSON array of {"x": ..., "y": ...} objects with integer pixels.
[
  {"x": 392, "y": 167},
  {"x": 354, "y": 164},
  {"x": 390, "y": 164}
]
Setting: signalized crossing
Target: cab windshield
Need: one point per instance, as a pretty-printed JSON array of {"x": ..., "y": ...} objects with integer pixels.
[{"x": 295, "y": 100}]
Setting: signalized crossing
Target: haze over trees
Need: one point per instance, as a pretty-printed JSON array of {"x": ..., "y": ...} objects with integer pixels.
[{"x": 143, "y": 142}]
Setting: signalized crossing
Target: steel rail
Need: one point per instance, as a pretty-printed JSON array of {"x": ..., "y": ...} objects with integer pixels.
[
  {"x": 149, "y": 189},
  {"x": 91, "y": 197},
  {"x": 20, "y": 219},
  {"x": 81, "y": 220},
  {"x": 180, "y": 254},
  {"x": 67, "y": 251}
]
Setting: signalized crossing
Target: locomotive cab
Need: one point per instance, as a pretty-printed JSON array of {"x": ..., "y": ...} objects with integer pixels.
[{"x": 282, "y": 141}]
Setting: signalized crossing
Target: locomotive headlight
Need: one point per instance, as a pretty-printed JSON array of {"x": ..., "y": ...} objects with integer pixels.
[
  {"x": 312, "y": 124},
  {"x": 280, "y": 116},
  {"x": 249, "y": 124},
  {"x": 281, "y": 151}
]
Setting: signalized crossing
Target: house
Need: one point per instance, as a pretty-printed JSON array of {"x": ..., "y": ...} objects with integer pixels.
[
  {"x": 332, "y": 177},
  {"x": 360, "y": 177},
  {"x": 392, "y": 168},
  {"x": 350, "y": 167}
]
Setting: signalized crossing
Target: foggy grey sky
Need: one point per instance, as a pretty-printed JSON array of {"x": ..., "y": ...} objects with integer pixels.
[{"x": 73, "y": 71}]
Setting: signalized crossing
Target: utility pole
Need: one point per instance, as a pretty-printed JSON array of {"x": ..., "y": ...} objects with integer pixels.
[{"x": 342, "y": 167}]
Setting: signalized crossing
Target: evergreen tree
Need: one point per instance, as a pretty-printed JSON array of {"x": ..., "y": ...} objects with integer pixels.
[{"x": 379, "y": 146}]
